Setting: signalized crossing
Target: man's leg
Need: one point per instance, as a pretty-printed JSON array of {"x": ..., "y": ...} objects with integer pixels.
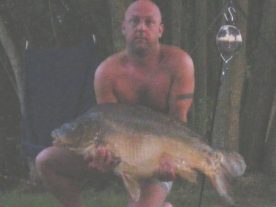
[
  {"x": 62, "y": 171},
  {"x": 153, "y": 195}
]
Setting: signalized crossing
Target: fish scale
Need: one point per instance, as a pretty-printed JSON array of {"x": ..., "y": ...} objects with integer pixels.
[
  {"x": 136, "y": 151},
  {"x": 141, "y": 138}
]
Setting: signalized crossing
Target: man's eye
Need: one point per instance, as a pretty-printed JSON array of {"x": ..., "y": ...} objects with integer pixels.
[
  {"x": 134, "y": 22},
  {"x": 149, "y": 22}
]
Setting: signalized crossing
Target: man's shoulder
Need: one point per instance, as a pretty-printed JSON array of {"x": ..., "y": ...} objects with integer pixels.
[
  {"x": 173, "y": 51},
  {"x": 113, "y": 59},
  {"x": 111, "y": 62},
  {"x": 176, "y": 57}
]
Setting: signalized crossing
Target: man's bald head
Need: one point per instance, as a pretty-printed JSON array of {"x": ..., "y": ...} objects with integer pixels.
[
  {"x": 142, "y": 27},
  {"x": 143, "y": 5}
]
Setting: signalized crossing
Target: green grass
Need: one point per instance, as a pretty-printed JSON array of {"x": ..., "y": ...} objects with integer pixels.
[
  {"x": 249, "y": 191},
  {"x": 19, "y": 199},
  {"x": 115, "y": 195},
  {"x": 181, "y": 195},
  {"x": 104, "y": 198},
  {"x": 107, "y": 198}
]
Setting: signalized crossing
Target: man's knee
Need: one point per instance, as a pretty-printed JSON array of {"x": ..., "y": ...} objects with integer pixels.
[
  {"x": 43, "y": 160},
  {"x": 62, "y": 162}
]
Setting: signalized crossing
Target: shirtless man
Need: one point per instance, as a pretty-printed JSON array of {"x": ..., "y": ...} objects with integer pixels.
[
  {"x": 146, "y": 73},
  {"x": 150, "y": 74}
]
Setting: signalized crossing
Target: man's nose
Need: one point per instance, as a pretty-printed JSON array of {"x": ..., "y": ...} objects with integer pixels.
[{"x": 141, "y": 25}]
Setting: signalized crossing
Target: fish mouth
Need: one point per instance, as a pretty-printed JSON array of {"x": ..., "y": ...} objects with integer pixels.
[{"x": 57, "y": 133}]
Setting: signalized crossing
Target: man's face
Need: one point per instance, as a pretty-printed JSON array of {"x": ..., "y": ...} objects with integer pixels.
[{"x": 142, "y": 26}]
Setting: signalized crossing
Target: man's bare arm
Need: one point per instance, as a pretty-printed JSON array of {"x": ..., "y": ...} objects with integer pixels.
[
  {"x": 181, "y": 96},
  {"x": 103, "y": 84},
  {"x": 182, "y": 91}
]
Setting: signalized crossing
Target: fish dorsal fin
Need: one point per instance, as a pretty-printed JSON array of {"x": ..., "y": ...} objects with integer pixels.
[{"x": 132, "y": 185}]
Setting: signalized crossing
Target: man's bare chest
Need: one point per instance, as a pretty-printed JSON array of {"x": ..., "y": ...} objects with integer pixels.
[{"x": 149, "y": 90}]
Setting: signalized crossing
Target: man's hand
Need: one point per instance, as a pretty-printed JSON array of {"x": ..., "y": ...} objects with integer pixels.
[
  {"x": 103, "y": 160},
  {"x": 166, "y": 170}
]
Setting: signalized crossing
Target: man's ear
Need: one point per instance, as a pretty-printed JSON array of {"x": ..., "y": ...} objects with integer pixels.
[
  {"x": 161, "y": 30},
  {"x": 123, "y": 28}
]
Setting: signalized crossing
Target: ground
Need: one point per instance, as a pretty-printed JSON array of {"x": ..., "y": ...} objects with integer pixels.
[{"x": 251, "y": 190}]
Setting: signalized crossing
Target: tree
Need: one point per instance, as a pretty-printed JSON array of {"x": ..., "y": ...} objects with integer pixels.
[
  {"x": 259, "y": 91},
  {"x": 16, "y": 63},
  {"x": 270, "y": 141}
]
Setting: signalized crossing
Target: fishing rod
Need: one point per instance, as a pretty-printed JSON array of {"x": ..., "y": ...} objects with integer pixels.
[{"x": 228, "y": 41}]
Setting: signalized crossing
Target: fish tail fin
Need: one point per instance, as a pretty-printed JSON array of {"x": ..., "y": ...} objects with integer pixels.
[
  {"x": 231, "y": 164},
  {"x": 220, "y": 182}
]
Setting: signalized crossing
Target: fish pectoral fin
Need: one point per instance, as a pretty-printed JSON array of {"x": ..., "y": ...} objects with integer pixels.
[
  {"x": 188, "y": 174},
  {"x": 132, "y": 185}
]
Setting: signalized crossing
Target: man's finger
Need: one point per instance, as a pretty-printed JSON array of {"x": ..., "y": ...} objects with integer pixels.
[
  {"x": 108, "y": 158},
  {"x": 101, "y": 154}
]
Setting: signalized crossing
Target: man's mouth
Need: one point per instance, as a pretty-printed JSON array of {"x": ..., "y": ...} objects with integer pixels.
[{"x": 140, "y": 39}]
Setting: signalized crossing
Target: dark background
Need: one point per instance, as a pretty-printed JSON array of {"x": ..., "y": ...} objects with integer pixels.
[{"x": 245, "y": 113}]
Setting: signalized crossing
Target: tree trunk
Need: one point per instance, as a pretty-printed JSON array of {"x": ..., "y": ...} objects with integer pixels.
[
  {"x": 270, "y": 142},
  {"x": 200, "y": 59},
  {"x": 175, "y": 17},
  {"x": 226, "y": 123},
  {"x": 117, "y": 10},
  {"x": 214, "y": 60},
  {"x": 16, "y": 63},
  {"x": 255, "y": 14},
  {"x": 187, "y": 31},
  {"x": 260, "y": 91}
]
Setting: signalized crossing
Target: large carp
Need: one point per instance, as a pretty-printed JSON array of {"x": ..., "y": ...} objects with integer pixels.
[{"x": 140, "y": 137}]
